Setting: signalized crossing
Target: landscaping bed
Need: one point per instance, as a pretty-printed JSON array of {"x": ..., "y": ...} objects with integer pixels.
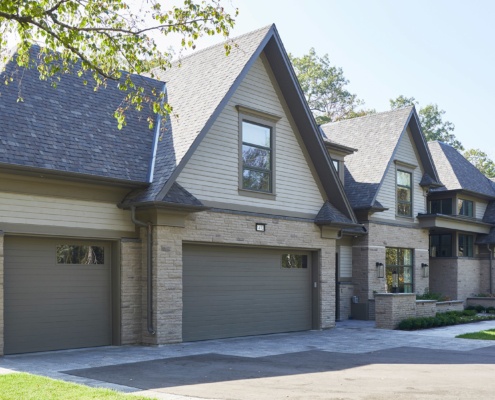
[{"x": 444, "y": 319}]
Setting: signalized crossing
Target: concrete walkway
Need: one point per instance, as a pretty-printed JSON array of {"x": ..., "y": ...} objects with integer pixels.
[{"x": 259, "y": 357}]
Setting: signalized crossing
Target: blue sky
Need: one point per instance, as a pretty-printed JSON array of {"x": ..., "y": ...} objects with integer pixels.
[{"x": 437, "y": 51}]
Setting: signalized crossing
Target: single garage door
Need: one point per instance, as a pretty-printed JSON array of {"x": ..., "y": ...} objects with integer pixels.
[
  {"x": 232, "y": 291},
  {"x": 57, "y": 294}
]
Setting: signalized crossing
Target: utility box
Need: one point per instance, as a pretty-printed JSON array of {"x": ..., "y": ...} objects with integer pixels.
[{"x": 360, "y": 311}]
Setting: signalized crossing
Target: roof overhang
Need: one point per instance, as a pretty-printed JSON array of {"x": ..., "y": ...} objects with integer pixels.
[
  {"x": 71, "y": 176},
  {"x": 437, "y": 193},
  {"x": 453, "y": 222},
  {"x": 340, "y": 148}
]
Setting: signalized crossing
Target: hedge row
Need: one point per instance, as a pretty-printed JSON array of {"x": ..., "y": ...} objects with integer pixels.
[{"x": 442, "y": 319}]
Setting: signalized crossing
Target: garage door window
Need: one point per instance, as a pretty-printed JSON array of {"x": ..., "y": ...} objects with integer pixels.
[
  {"x": 78, "y": 254},
  {"x": 294, "y": 261}
]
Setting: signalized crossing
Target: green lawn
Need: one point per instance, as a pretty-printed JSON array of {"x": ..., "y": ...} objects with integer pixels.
[
  {"x": 482, "y": 335},
  {"x": 21, "y": 386}
]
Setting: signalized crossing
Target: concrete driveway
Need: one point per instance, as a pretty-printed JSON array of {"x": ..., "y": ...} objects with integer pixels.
[{"x": 352, "y": 361}]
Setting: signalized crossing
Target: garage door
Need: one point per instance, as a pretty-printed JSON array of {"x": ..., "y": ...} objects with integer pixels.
[
  {"x": 230, "y": 291},
  {"x": 57, "y": 294}
]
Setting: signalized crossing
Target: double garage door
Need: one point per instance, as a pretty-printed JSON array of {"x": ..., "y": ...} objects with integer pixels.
[
  {"x": 233, "y": 291},
  {"x": 57, "y": 294}
]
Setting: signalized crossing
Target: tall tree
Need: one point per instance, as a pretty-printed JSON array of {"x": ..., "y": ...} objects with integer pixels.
[
  {"x": 481, "y": 161},
  {"x": 432, "y": 123},
  {"x": 104, "y": 38},
  {"x": 324, "y": 86}
]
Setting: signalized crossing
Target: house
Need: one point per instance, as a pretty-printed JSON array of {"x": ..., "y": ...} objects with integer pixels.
[
  {"x": 217, "y": 223},
  {"x": 387, "y": 171},
  {"x": 461, "y": 220}
]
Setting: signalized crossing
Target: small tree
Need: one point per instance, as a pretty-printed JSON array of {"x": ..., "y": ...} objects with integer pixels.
[
  {"x": 105, "y": 38},
  {"x": 324, "y": 86},
  {"x": 432, "y": 123}
]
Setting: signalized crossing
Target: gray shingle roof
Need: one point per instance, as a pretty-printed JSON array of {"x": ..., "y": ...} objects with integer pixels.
[
  {"x": 375, "y": 137},
  {"x": 71, "y": 128},
  {"x": 457, "y": 173},
  {"x": 328, "y": 214}
]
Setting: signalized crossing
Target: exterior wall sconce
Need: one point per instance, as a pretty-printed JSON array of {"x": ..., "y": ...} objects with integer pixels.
[
  {"x": 260, "y": 227},
  {"x": 380, "y": 270},
  {"x": 426, "y": 270}
]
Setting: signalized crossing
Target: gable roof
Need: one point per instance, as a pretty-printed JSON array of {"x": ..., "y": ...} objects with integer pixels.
[
  {"x": 71, "y": 129},
  {"x": 376, "y": 138},
  {"x": 200, "y": 88},
  {"x": 457, "y": 173}
]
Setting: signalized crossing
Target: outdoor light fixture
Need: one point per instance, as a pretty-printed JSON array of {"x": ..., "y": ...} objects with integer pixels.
[
  {"x": 260, "y": 227},
  {"x": 380, "y": 270},
  {"x": 426, "y": 270}
]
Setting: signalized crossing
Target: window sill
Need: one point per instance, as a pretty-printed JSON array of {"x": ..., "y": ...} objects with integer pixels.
[{"x": 259, "y": 195}]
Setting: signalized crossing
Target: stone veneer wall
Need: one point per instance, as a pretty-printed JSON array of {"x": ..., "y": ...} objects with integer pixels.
[
  {"x": 481, "y": 301},
  {"x": 391, "y": 308},
  {"x": 132, "y": 285},
  {"x": 1, "y": 293},
  {"x": 425, "y": 308},
  {"x": 229, "y": 229},
  {"x": 370, "y": 249},
  {"x": 457, "y": 278}
]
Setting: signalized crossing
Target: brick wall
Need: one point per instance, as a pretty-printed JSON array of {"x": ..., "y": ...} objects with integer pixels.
[
  {"x": 457, "y": 278},
  {"x": 231, "y": 229},
  {"x": 426, "y": 308},
  {"x": 482, "y": 301},
  {"x": 445, "y": 306},
  {"x": 131, "y": 290},
  {"x": 1, "y": 293},
  {"x": 391, "y": 308},
  {"x": 371, "y": 248}
]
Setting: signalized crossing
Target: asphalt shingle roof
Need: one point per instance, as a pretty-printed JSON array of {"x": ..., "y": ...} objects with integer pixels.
[
  {"x": 375, "y": 138},
  {"x": 196, "y": 87},
  {"x": 71, "y": 128},
  {"x": 457, "y": 173}
]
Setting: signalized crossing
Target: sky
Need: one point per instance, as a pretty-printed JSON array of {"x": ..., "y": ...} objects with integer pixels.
[{"x": 438, "y": 51}]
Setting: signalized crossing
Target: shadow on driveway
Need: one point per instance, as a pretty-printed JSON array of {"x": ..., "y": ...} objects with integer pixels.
[{"x": 213, "y": 368}]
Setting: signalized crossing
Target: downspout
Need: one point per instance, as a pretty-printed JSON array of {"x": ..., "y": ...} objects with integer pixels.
[
  {"x": 149, "y": 269},
  {"x": 491, "y": 266}
]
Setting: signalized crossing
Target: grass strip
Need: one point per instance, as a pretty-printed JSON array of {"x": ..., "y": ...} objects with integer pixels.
[
  {"x": 17, "y": 386},
  {"x": 481, "y": 335}
]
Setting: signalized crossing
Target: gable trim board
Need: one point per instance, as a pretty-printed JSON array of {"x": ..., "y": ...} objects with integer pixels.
[{"x": 277, "y": 58}]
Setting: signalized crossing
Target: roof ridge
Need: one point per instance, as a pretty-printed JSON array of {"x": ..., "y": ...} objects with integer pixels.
[
  {"x": 195, "y": 53},
  {"x": 369, "y": 115}
]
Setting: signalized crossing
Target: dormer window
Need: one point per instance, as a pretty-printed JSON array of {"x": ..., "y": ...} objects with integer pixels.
[
  {"x": 441, "y": 206},
  {"x": 404, "y": 193},
  {"x": 465, "y": 207}
]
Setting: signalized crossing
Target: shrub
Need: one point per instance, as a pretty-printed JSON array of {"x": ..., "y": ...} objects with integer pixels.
[
  {"x": 490, "y": 310},
  {"x": 431, "y": 296},
  {"x": 469, "y": 312}
]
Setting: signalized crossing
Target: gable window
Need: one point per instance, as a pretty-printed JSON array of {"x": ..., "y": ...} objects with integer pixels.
[
  {"x": 336, "y": 164},
  {"x": 442, "y": 206},
  {"x": 465, "y": 207},
  {"x": 441, "y": 245},
  {"x": 399, "y": 270},
  {"x": 465, "y": 246},
  {"x": 404, "y": 193},
  {"x": 257, "y": 164}
]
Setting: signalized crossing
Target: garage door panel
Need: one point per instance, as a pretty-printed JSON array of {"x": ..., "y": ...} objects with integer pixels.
[
  {"x": 51, "y": 306},
  {"x": 233, "y": 291}
]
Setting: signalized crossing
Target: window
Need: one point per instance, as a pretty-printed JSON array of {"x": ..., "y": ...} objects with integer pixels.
[
  {"x": 77, "y": 254},
  {"x": 465, "y": 246},
  {"x": 399, "y": 270},
  {"x": 257, "y": 163},
  {"x": 404, "y": 195},
  {"x": 465, "y": 207},
  {"x": 294, "y": 261},
  {"x": 443, "y": 206},
  {"x": 441, "y": 245},
  {"x": 336, "y": 164}
]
